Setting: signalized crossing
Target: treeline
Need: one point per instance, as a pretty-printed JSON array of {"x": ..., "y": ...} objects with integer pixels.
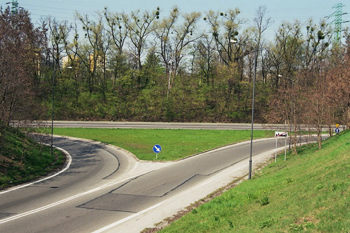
[
  {"x": 20, "y": 47},
  {"x": 159, "y": 66}
]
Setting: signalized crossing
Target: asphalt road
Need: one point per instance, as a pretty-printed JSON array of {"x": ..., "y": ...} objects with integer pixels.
[
  {"x": 160, "y": 125},
  {"x": 166, "y": 125},
  {"x": 104, "y": 188}
]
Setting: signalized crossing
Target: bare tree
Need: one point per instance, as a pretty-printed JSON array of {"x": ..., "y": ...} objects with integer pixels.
[
  {"x": 283, "y": 58},
  {"x": 139, "y": 26},
  {"x": 315, "y": 108},
  {"x": 118, "y": 31},
  {"x": 58, "y": 32},
  {"x": 174, "y": 40},
  {"x": 94, "y": 56},
  {"x": 317, "y": 43},
  {"x": 20, "y": 53},
  {"x": 338, "y": 88},
  {"x": 261, "y": 27},
  {"x": 163, "y": 31},
  {"x": 224, "y": 29}
]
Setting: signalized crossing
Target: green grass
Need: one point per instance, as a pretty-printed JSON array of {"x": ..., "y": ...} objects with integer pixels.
[
  {"x": 22, "y": 159},
  {"x": 307, "y": 193},
  {"x": 176, "y": 143}
]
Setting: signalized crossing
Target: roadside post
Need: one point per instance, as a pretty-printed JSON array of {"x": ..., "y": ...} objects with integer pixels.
[
  {"x": 285, "y": 135},
  {"x": 157, "y": 149},
  {"x": 336, "y": 128}
]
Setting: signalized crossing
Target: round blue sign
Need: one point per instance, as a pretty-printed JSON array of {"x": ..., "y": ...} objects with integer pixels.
[{"x": 157, "y": 148}]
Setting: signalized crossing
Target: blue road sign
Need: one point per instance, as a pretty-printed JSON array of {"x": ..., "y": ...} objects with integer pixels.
[
  {"x": 157, "y": 148},
  {"x": 337, "y": 130}
]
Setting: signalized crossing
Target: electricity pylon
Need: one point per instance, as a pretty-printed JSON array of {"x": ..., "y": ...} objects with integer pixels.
[
  {"x": 338, "y": 21},
  {"x": 14, "y": 6}
]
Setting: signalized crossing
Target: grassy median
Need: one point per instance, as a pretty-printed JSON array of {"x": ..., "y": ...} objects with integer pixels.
[{"x": 176, "y": 143}]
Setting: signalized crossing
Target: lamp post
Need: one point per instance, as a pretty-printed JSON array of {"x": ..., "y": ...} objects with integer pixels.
[
  {"x": 253, "y": 106},
  {"x": 52, "y": 109},
  {"x": 252, "y": 124}
]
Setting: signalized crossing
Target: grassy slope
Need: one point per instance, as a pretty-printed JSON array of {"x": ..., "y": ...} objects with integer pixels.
[
  {"x": 22, "y": 159},
  {"x": 309, "y": 192},
  {"x": 176, "y": 144}
]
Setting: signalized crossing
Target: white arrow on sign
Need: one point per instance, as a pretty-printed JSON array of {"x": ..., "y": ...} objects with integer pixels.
[{"x": 157, "y": 148}]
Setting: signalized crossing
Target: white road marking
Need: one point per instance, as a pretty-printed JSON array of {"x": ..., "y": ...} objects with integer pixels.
[
  {"x": 17, "y": 216},
  {"x": 46, "y": 178},
  {"x": 127, "y": 218}
]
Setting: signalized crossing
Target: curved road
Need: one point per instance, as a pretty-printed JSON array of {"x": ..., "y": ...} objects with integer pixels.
[
  {"x": 29, "y": 209},
  {"x": 106, "y": 190}
]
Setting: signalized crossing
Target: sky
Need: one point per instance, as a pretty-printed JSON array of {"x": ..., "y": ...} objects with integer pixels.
[{"x": 277, "y": 10}]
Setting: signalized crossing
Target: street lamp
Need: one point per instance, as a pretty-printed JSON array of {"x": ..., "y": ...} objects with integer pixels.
[
  {"x": 253, "y": 106},
  {"x": 52, "y": 109},
  {"x": 252, "y": 125}
]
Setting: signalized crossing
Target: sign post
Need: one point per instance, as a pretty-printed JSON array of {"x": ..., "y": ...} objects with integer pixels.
[
  {"x": 285, "y": 135},
  {"x": 337, "y": 128},
  {"x": 157, "y": 149}
]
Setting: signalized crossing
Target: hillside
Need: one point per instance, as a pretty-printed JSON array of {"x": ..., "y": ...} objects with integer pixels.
[
  {"x": 309, "y": 192},
  {"x": 23, "y": 159}
]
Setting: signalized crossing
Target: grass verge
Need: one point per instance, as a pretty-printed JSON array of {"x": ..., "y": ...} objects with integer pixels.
[
  {"x": 176, "y": 143},
  {"x": 22, "y": 159},
  {"x": 310, "y": 192}
]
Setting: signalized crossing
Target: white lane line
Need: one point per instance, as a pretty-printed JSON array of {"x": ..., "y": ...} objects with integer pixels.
[
  {"x": 46, "y": 178},
  {"x": 17, "y": 216},
  {"x": 108, "y": 227},
  {"x": 127, "y": 218},
  {"x": 39, "y": 209}
]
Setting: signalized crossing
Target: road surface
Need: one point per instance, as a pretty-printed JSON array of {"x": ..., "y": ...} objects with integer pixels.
[
  {"x": 159, "y": 125},
  {"x": 106, "y": 189}
]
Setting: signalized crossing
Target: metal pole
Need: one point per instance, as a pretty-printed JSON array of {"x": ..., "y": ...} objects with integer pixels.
[
  {"x": 53, "y": 100},
  {"x": 251, "y": 133},
  {"x": 291, "y": 112}
]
